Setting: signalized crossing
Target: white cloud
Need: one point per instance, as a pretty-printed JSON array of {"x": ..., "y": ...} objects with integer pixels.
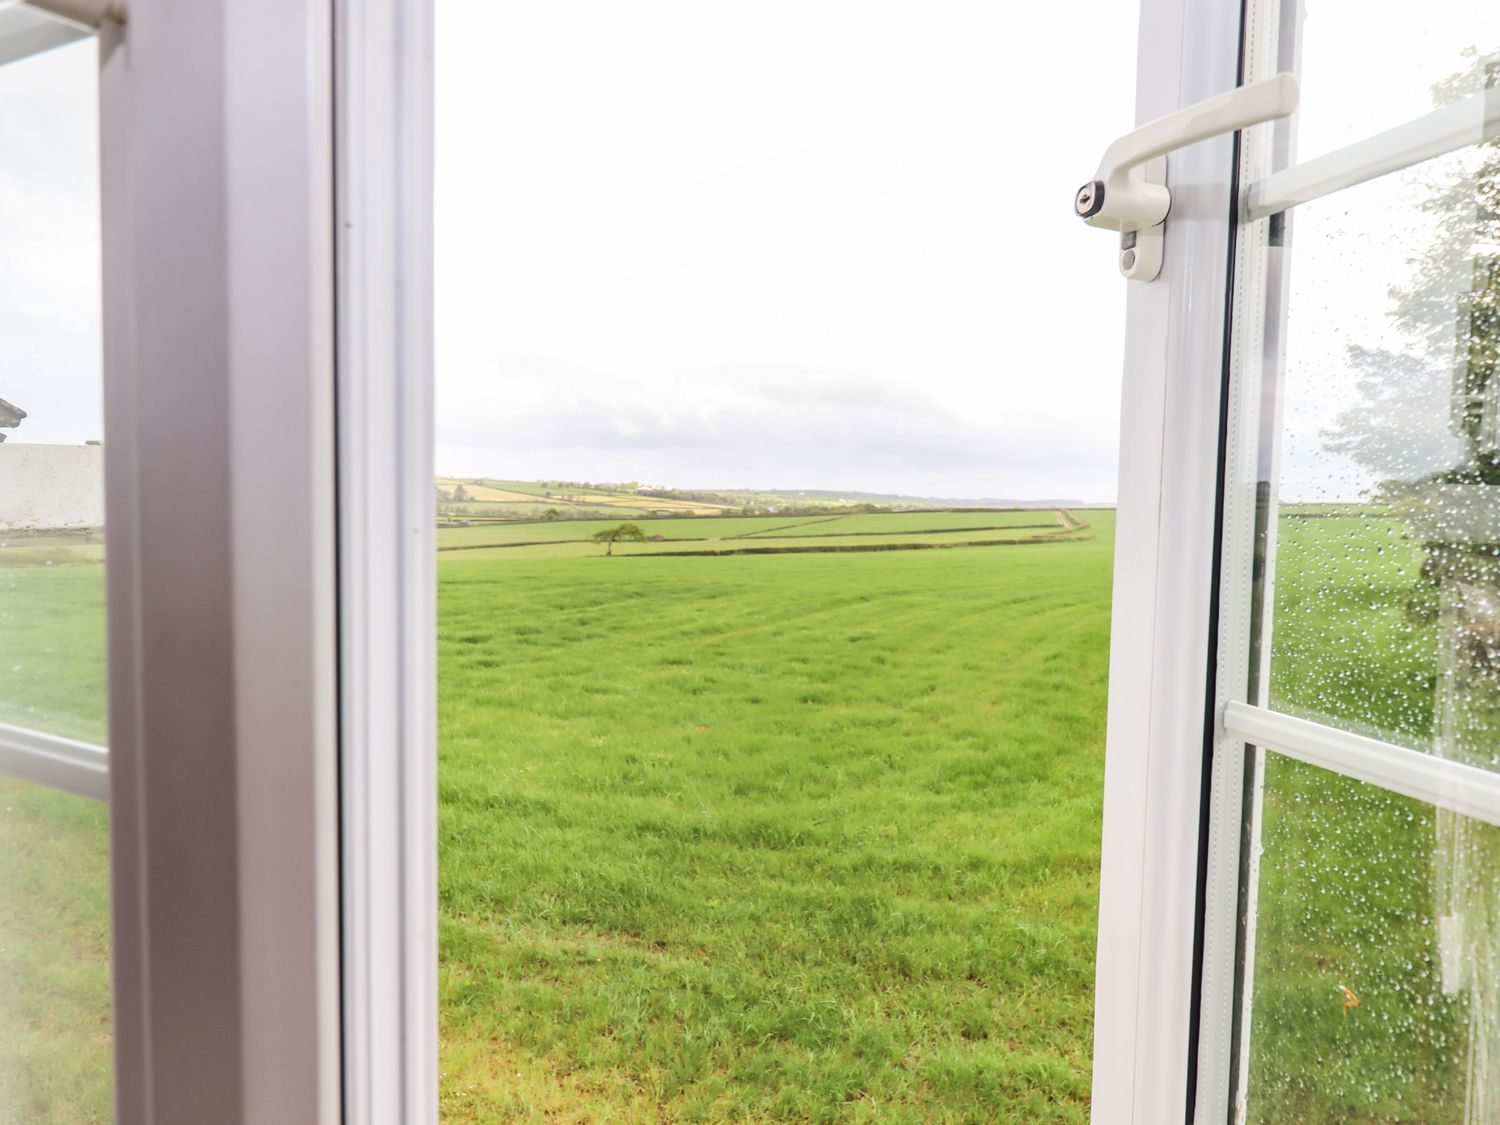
[
  {"x": 820, "y": 244},
  {"x": 763, "y": 427}
]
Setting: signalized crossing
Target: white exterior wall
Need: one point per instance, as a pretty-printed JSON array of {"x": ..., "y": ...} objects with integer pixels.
[{"x": 51, "y": 487}]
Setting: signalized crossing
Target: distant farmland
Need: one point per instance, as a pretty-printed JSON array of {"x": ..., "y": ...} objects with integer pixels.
[
  {"x": 484, "y": 499},
  {"x": 737, "y": 535}
]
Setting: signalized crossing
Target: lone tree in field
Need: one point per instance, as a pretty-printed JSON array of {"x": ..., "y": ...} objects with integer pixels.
[{"x": 629, "y": 532}]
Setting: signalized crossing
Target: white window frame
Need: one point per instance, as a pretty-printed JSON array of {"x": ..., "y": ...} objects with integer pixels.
[
  {"x": 267, "y": 362},
  {"x": 1188, "y": 725},
  {"x": 387, "y": 560},
  {"x": 1162, "y": 639},
  {"x": 219, "y": 493}
]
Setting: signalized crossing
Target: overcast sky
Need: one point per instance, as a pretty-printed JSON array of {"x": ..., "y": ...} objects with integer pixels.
[
  {"x": 787, "y": 243},
  {"x": 49, "y": 244},
  {"x": 1351, "y": 249}
]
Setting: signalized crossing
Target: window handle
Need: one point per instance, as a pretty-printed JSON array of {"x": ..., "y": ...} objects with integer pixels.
[{"x": 1129, "y": 191}]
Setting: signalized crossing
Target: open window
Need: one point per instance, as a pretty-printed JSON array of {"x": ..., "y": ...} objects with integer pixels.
[
  {"x": 216, "y": 890},
  {"x": 1301, "y": 880},
  {"x": 216, "y": 545}
]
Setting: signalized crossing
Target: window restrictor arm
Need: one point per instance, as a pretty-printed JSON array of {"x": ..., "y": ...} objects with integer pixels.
[{"x": 1129, "y": 191}]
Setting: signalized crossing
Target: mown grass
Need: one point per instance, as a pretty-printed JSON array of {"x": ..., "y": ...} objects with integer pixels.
[
  {"x": 797, "y": 837},
  {"x": 804, "y": 837},
  {"x": 52, "y": 642},
  {"x": 55, "y": 1046}
]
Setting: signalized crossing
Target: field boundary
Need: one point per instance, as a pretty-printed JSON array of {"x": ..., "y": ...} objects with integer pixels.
[
  {"x": 783, "y": 526},
  {"x": 859, "y": 548},
  {"x": 912, "y": 531},
  {"x": 558, "y": 542},
  {"x": 1065, "y": 526}
]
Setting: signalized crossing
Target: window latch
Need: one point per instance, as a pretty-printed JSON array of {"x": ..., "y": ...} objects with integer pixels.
[{"x": 1129, "y": 191}]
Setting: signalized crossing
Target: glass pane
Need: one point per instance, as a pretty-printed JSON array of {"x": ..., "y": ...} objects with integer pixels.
[
  {"x": 55, "y": 1057},
  {"x": 1376, "y": 969},
  {"x": 1362, "y": 75},
  {"x": 51, "y": 420},
  {"x": 1387, "y": 571}
]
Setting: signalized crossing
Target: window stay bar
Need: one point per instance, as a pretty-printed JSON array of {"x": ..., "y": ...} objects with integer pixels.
[
  {"x": 1456, "y": 786},
  {"x": 80, "y": 768},
  {"x": 1464, "y": 123}
]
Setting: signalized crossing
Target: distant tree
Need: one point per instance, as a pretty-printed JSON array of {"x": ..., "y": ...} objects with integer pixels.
[
  {"x": 1426, "y": 402},
  {"x": 552, "y": 514},
  {"x": 629, "y": 532},
  {"x": 1425, "y": 426}
]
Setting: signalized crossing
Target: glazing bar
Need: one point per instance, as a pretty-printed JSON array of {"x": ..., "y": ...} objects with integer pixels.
[
  {"x": 79, "y": 768},
  {"x": 1475, "y": 119},
  {"x": 1461, "y": 788}
]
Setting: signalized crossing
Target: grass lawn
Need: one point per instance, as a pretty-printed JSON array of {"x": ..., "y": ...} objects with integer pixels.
[
  {"x": 55, "y": 1062},
  {"x": 805, "y": 837},
  {"x": 785, "y": 837},
  {"x": 55, "y": 1046}
]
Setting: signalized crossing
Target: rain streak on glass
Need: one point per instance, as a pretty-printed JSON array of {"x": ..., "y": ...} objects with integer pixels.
[
  {"x": 1387, "y": 561},
  {"x": 55, "y": 1055},
  {"x": 1374, "y": 934},
  {"x": 1366, "y": 1003}
]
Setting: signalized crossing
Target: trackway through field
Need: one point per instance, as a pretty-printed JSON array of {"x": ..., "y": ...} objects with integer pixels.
[{"x": 779, "y": 837}]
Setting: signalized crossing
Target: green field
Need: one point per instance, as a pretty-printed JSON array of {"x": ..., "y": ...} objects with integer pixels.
[
  {"x": 765, "y": 534},
  {"x": 805, "y": 836},
  {"x": 772, "y": 837},
  {"x": 55, "y": 1065}
]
